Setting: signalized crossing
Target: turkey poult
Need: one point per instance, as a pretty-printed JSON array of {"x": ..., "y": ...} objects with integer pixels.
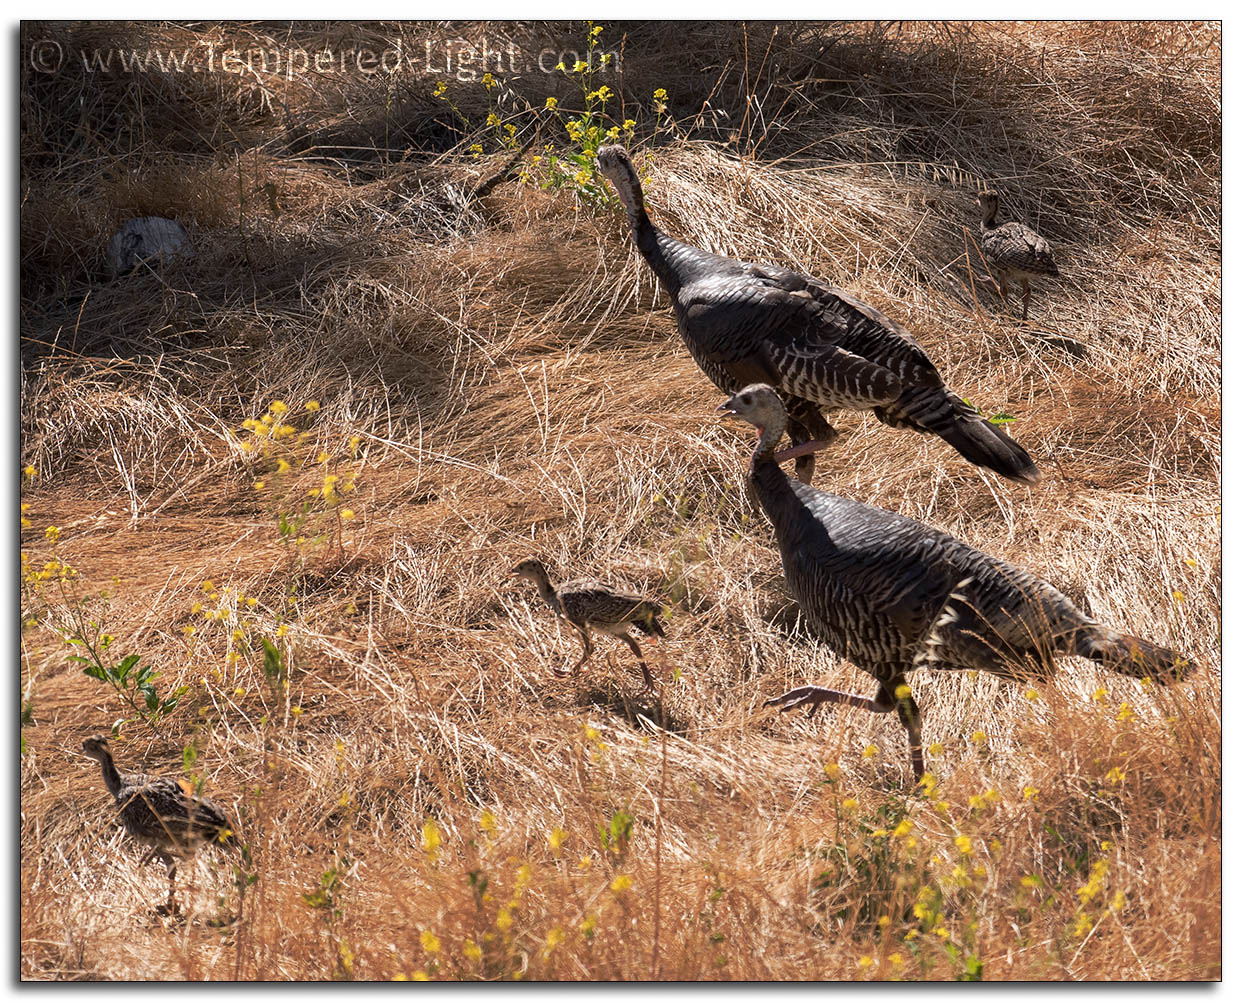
[
  {"x": 590, "y": 604},
  {"x": 1013, "y": 250},
  {"x": 164, "y": 814},
  {"x": 891, "y": 594},
  {"x": 819, "y": 346}
]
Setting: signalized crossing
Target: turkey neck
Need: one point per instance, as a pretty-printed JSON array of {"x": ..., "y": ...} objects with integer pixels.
[
  {"x": 112, "y": 778},
  {"x": 989, "y": 217},
  {"x": 769, "y": 480},
  {"x": 546, "y": 591},
  {"x": 652, "y": 244}
]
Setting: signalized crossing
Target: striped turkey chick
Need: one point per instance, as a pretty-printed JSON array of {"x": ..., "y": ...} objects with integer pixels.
[
  {"x": 1013, "y": 250},
  {"x": 891, "y": 594},
  {"x": 592, "y": 605},
  {"x": 163, "y": 813}
]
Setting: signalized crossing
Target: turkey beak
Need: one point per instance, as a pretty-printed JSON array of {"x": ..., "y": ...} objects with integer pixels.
[{"x": 726, "y": 410}]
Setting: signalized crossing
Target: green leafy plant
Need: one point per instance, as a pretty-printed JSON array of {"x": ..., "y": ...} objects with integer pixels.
[{"x": 132, "y": 681}]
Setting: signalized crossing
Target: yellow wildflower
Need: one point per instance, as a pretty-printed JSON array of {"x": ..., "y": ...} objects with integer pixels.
[
  {"x": 1099, "y": 695},
  {"x": 1115, "y": 776},
  {"x": 550, "y": 104},
  {"x": 1032, "y": 695},
  {"x": 623, "y": 882},
  {"x": 963, "y": 844},
  {"x": 832, "y": 771},
  {"x": 1124, "y": 713},
  {"x": 661, "y": 94},
  {"x": 869, "y": 751},
  {"x": 259, "y": 485},
  {"x": 52, "y": 533},
  {"x": 430, "y": 941},
  {"x": 865, "y": 961},
  {"x": 556, "y": 838},
  {"x": 282, "y": 466},
  {"x": 1029, "y": 792},
  {"x": 30, "y": 472},
  {"x": 470, "y": 949},
  {"x": 278, "y": 407},
  {"x": 978, "y": 737},
  {"x": 849, "y": 804},
  {"x": 431, "y": 838},
  {"x": 935, "y": 748},
  {"x": 504, "y": 920},
  {"x": 311, "y": 405}
]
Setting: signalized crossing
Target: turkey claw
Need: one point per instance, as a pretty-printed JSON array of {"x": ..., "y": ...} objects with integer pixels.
[{"x": 806, "y": 695}]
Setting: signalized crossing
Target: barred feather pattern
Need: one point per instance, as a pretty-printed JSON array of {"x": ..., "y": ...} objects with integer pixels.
[
  {"x": 1013, "y": 249},
  {"x": 163, "y": 813},
  {"x": 815, "y": 344},
  {"x": 891, "y": 594},
  {"x": 587, "y": 601}
]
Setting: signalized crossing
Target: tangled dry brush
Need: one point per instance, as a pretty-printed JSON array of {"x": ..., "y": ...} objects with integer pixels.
[{"x": 369, "y": 395}]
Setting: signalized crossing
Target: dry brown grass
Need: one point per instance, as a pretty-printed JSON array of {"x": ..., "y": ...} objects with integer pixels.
[{"x": 518, "y": 387}]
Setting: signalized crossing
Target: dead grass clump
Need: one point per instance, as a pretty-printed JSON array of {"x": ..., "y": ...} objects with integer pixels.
[{"x": 418, "y": 794}]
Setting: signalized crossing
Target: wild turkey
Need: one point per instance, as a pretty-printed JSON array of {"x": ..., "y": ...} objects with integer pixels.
[
  {"x": 1013, "y": 250},
  {"x": 164, "y": 814},
  {"x": 590, "y": 604},
  {"x": 819, "y": 346},
  {"x": 891, "y": 594}
]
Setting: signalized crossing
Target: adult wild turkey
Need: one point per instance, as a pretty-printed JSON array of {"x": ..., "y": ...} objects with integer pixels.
[
  {"x": 891, "y": 594},
  {"x": 589, "y": 604},
  {"x": 819, "y": 346},
  {"x": 1013, "y": 250},
  {"x": 164, "y": 814}
]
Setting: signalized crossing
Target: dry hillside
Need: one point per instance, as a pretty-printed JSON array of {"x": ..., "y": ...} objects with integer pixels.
[{"x": 293, "y": 473}]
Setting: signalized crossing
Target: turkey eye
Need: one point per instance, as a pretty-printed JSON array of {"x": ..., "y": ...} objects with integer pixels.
[{"x": 746, "y": 400}]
